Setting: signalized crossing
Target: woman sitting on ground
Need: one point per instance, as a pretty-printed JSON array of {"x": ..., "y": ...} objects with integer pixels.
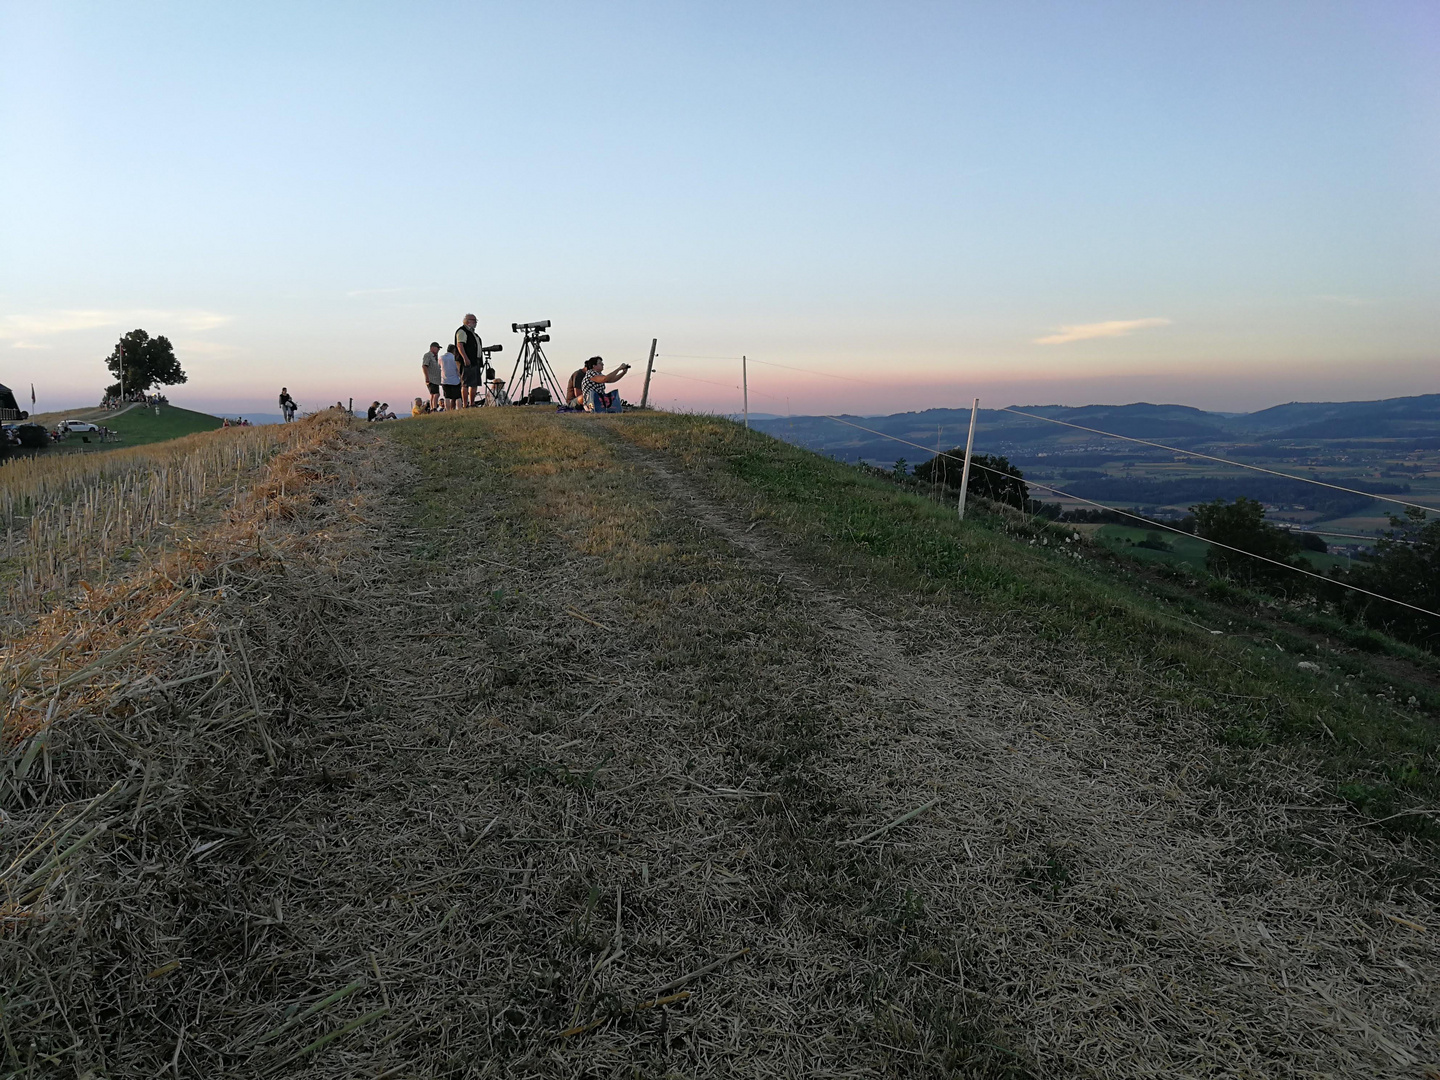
[
  {"x": 418, "y": 409},
  {"x": 592, "y": 386}
]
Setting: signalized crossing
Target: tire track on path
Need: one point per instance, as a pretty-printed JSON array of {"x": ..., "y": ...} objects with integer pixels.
[{"x": 1133, "y": 915}]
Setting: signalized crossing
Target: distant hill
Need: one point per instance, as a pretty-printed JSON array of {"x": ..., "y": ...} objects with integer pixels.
[{"x": 1006, "y": 432}]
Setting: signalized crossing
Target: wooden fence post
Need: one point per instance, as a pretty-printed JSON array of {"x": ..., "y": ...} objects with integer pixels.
[{"x": 645, "y": 395}]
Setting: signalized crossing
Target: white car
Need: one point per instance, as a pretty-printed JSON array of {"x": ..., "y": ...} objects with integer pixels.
[{"x": 77, "y": 425}]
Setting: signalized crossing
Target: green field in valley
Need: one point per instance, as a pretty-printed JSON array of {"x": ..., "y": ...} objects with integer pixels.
[{"x": 1181, "y": 549}]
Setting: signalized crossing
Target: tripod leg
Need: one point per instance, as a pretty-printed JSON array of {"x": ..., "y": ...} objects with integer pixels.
[{"x": 518, "y": 360}]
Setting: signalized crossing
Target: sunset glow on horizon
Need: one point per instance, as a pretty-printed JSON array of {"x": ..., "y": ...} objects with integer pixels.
[{"x": 885, "y": 207}]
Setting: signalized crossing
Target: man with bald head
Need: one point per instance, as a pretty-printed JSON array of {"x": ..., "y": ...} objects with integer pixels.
[{"x": 472, "y": 361}]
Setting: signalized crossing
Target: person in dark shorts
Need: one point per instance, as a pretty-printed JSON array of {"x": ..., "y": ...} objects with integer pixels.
[
  {"x": 430, "y": 368},
  {"x": 472, "y": 362},
  {"x": 450, "y": 378}
]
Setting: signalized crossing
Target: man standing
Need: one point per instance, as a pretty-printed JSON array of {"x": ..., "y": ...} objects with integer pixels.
[
  {"x": 287, "y": 405},
  {"x": 450, "y": 378},
  {"x": 430, "y": 368},
  {"x": 472, "y": 363}
]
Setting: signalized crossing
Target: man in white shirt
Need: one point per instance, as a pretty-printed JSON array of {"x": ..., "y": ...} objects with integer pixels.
[
  {"x": 430, "y": 367},
  {"x": 450, "y": 378}
]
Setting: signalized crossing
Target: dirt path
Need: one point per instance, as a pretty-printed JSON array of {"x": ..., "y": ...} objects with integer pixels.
[
  {"x": 1127, "y": 916},
  {"x": 562, "y": 773}
]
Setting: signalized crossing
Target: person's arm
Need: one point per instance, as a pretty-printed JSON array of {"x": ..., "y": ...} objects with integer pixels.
[
  {"x": 460, "y": 351},
  {"x": 616, "y": 375}
]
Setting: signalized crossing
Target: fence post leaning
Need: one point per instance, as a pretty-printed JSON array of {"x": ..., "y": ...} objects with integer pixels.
[
  {"x": 969, "y": 445},
  {"x": 745, "y": 384},
  {"x": 645, "y": 394}
]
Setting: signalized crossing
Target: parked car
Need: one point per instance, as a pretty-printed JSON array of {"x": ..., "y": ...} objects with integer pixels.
[{"x": 77, "y": 425}]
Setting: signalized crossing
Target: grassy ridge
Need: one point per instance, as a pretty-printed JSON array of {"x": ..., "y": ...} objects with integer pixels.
[
  {"x": 139, "y": 427},
  {"x": 1354, "y": 717}
]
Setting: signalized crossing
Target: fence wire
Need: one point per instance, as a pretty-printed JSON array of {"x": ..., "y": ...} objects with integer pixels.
[{"x": 1151, "y": 524}]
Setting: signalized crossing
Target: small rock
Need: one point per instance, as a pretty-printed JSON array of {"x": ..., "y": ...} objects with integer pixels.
[{"x": 1306, "y": 665}]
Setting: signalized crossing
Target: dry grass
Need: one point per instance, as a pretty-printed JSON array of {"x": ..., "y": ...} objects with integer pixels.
[
  {"x": 615, "y": 811},
  {"x": 69, "y": 520}
]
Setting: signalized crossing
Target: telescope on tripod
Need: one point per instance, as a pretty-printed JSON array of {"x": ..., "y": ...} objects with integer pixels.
[
  {"x": 486, "y": 351},
  {"x": 532, "y": 371}
]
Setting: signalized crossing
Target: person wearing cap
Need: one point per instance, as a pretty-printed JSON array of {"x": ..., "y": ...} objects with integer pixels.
[
  {"x": 472, "y": 363},
  {"x": 430, "y": 368}
]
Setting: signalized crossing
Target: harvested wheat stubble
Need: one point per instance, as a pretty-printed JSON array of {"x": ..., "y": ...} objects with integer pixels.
[
  {"x": 412, "y": 816},
  {"x": 87, "y": 518}
]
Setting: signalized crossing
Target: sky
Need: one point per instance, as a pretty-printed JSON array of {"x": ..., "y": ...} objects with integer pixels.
[{"x": 884, "y": 206}]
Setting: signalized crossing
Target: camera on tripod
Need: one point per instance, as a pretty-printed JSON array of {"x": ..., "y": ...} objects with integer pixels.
[{"x": 530, "y": 327}]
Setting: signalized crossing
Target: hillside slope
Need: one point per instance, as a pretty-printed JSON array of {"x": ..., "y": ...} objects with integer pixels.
[{"x": 519, "y": 743}]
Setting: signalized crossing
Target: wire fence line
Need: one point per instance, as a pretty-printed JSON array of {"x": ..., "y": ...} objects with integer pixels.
[
  {"x": 766, "y": 363},
  {"x": 1091, "y": 430},
  {"x": 1149, "y": 524},
  {"x": 1226, "y": 461}
]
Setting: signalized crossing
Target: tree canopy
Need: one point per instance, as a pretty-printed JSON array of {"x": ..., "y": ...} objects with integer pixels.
[
  {"x": 991, "y": 478},
  {"x": 1406, "y": 566},
  {"x": 1241, "y": 524},
  {"x": 148, "y": 362}
]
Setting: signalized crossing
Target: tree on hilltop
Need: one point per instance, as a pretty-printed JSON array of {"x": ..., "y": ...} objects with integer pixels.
[{"x": 147, "y": 362}]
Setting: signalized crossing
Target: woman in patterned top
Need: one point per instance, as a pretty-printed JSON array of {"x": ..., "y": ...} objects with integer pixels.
[{"x": 592, "y": 387}]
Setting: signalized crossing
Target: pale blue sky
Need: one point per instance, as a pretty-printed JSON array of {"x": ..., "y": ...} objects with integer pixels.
[{"x": 1236, "y": 204}]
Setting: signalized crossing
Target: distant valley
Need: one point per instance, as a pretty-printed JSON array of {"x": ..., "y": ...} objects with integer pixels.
[{"x": 1387, "y": 447}]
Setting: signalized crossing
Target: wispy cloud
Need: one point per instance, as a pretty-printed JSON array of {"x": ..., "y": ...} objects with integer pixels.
[
  {"x": 18, "y": 329},
  {"x": 1086, "y": 331}
]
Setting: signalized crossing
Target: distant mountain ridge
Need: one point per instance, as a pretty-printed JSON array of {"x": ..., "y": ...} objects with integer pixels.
[{"x": 1005, "y": 431}]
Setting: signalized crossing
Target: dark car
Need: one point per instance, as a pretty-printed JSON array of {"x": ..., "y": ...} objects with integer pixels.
[{"x": 9, "y": 407}]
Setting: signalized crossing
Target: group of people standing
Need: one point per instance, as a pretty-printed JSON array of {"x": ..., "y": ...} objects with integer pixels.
[
  {"x": 461, "y": 378},
  {"x": 455, "y": 377}
]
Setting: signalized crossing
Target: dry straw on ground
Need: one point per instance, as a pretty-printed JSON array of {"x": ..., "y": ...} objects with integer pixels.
[
  {"x": 69, "y": 519},
  {"x": 536, "y": 759}
]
